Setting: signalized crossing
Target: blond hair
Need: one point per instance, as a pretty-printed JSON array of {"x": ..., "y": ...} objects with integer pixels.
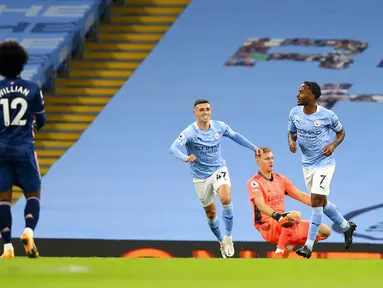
[{"x": 264, "y": 150}]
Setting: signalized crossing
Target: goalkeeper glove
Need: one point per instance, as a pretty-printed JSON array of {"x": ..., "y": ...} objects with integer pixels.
[{"x": 283, "y": 220}]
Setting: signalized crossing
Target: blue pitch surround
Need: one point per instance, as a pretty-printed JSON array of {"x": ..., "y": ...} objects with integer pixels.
[{"x": 119, "y": 182}]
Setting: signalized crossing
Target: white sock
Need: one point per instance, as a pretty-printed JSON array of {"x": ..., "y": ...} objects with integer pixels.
[
  {"x": 310, "y": 243},
  {"x": 279, "y": 251},
  {"x": 344, "y": 225},
  {"x": 29, "y": 231},
  {"x": 8, "y": 247}
]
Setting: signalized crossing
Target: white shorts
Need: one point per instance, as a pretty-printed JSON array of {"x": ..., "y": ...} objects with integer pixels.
[
  {"x": 207, "y": 188},
  {"x": 318, "y": 179}
]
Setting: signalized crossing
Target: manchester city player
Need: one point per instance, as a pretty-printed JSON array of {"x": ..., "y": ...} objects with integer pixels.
[
  {"x": 20, "y": 102},
  {"x": 310, "y": 125},
  {"x": 202, "y": 141}
]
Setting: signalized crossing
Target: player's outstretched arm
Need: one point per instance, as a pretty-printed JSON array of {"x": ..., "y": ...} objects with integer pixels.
[
  {"x": 300, "y": 196},
  {"x": 295, "y": 193},
  {"x": 239, "y": 139}
]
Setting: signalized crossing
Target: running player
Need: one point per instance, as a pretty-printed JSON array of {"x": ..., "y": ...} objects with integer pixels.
[
  {"x": 310, "y": 124},
  {"x": 202, "y": 141},
  {"x": 267, "y": 192},
  {"x": 21, "y": 101}
]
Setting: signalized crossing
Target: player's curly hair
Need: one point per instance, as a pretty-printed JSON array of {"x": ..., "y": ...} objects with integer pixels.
[
  {"x": 13, "y": 57},
  {"x": 314, "y": 88}
]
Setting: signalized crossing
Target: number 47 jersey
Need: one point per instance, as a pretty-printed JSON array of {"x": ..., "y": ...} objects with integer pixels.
[{"x": 19, "y": 101}]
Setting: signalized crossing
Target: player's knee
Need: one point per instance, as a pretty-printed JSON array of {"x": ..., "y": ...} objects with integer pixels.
[
  {"x": 324, "y": 231},
  {"x": 210, "y": 211},
  {"x": 318, "y": 200},
  {"x": 224, "y": 192},
  {"x": 35, "y": 194},
  {"x": 6, "y": 196},
  {"x": 226, "y": 200},
  {"x": 296, "y": 215},
  {"x": 211, "y": 214}
]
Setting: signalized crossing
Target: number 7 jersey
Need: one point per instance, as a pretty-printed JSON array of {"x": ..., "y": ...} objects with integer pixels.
[{"x": 19, "y": 101}]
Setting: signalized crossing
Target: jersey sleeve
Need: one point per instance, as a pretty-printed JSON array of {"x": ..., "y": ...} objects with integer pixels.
[
  {"x": 226, "y": 130},
  {"x": 291, "y": 126},
  {"x": 254, "y": 189},
  {"x": 38, "y": 102},
  {"x": 236, "y": 137},
  {"x": 183, "y": 138},
  {"x": 335, "y": 124}
]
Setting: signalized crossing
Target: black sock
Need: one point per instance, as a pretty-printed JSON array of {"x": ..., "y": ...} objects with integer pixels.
[
  {"x": 32, "y": 212},
  {"x": 5, "y": 221}
]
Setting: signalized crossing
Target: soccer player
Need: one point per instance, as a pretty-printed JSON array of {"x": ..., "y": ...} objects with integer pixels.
[
  {"x": 267, "y": 192},
  {"x": 21, "y": 101},
  {"x": 310, "y": 124},
  {"x": 202, "y": 141}
]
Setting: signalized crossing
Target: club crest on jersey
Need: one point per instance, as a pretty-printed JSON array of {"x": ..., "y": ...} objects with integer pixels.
[
  {"x": 217, "y": 136},
  {"x": 316, "y": 123}
]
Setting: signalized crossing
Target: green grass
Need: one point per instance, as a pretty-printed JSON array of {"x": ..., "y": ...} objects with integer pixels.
[{"x": 185, "y": 273}]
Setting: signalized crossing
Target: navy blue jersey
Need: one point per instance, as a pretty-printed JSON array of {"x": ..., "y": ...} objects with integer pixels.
[{"x": 19, "y": 101}]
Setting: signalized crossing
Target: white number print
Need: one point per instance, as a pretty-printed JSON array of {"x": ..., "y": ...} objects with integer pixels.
[{"x": 14, "y": 105}]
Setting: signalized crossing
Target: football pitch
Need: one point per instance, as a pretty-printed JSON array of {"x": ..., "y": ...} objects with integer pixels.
[{"x": 184, "y": 273}]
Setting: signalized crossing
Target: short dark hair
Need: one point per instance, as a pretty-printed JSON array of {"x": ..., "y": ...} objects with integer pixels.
[
  {"x": 314, "y": 88},
  {"x": 13, "y": 57},
  {"x": 200, "y": 101}
]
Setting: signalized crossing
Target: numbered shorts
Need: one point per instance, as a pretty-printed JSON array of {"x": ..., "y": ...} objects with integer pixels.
[
  {"x": 208, "y": 188},
  {"x": 271, "y": 231},
  {"x": 318, "y": 179}
]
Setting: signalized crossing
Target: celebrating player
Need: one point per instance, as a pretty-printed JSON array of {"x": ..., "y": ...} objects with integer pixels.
[
  {"x": 267, "y": 193},
  {"x": 21, "y": 102},
  {"x": 310, "y": 124},
  {"x": 202, "y": 140}
]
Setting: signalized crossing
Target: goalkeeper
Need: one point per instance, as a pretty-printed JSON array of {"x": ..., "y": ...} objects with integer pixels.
[{"x": 267, "y": 192}]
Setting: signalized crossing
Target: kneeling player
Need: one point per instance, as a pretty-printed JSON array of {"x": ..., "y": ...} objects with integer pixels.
[
  {"x": 267, "y": 191},
  {"x": 21, "y": 102}
]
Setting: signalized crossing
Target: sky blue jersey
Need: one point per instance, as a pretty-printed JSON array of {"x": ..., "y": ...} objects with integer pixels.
[
  {"x": 313, "y": 131},
  {"x": 206, "y": 146}
]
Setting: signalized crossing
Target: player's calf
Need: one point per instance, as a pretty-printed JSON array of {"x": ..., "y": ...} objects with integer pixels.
[
  {"x": 31, "y": 213},
  {"x": 224, "y": 192},
  {"x": 348, "y": 228},
  {"x": 6, "y": 222}
]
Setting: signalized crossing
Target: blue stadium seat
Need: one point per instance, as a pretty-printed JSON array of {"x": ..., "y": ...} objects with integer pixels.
[{"x": 49, "y": 30}]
